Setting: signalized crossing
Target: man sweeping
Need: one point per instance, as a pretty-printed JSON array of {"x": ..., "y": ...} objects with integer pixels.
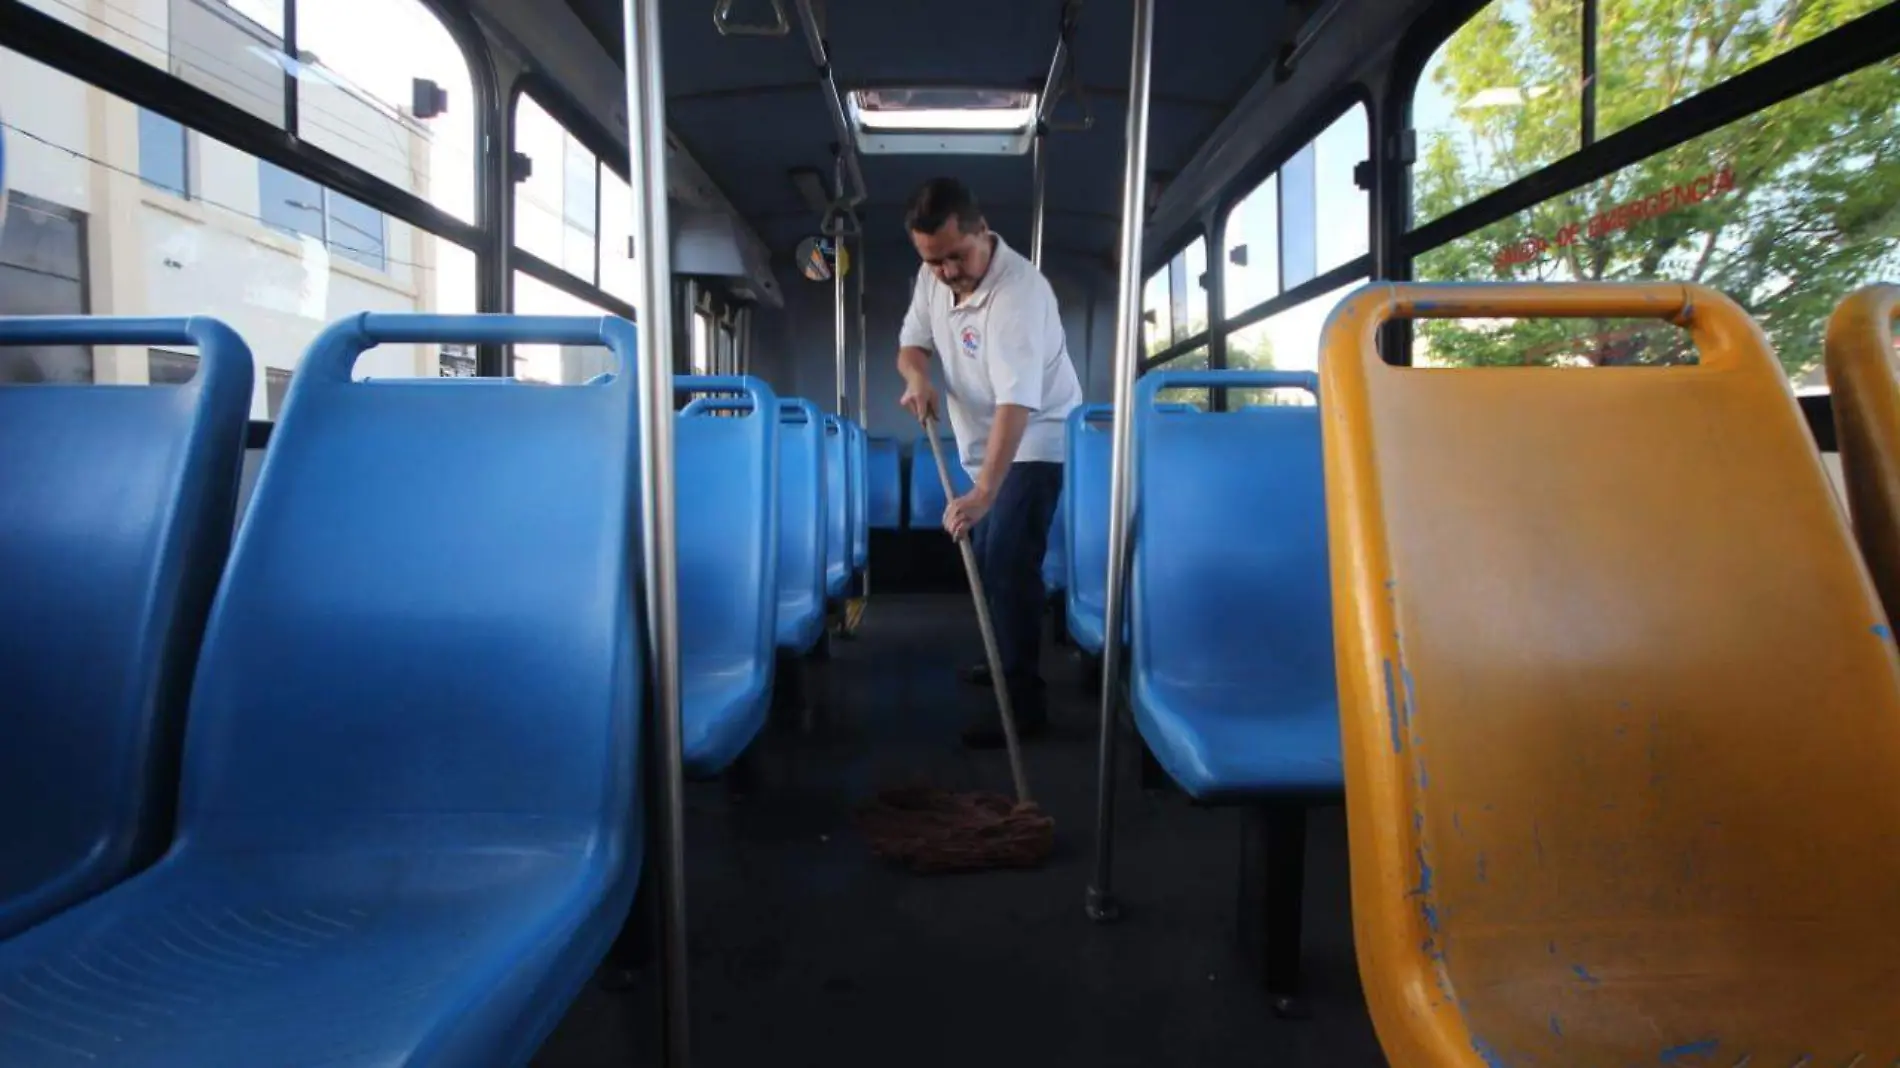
[{"x": 992, "y": 318}]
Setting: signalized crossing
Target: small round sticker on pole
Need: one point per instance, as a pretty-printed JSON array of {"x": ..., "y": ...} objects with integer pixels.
[{"x": 818, "y": 257}]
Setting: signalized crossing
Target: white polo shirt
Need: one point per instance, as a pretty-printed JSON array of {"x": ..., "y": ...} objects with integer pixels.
[{"x": 1002, "y": 345}]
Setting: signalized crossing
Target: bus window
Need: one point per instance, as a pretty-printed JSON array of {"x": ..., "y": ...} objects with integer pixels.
[
  {"x": 1307, "y": 218},
  {"x": 358, "y": 95},
  {"x": 1195, "y": 360},
  {"x": 1252, "y": 274},
  {"x": 1190, "y": 268},
  {"x": 1342, "y": 213},
  {"x": 1650, "y": 55},
  {"x": 1786, "y": 211},
  {"x": 1287, "y": 341},
  {"x": 1157, "y": 323},
  {"x": 617, "y": 274},
  {"x": 138, "y": 215},
  {"x": 560, "y": 365},
  {"x": 1465, "y": 106}
]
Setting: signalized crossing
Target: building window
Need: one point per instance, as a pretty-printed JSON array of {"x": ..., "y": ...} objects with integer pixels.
[
  {"x": 165, "y": 367},
  {"x": 42, "y": 272},
  {"x": 356, "y": 231},
  {"x": 294, "y": 204},
  {"x": 163, "y": 154},
  {"x": 456, "y": 361}
]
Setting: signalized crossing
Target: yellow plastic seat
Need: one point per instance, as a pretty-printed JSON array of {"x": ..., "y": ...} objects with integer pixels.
[
  {"x": 1621, "y": 720},
  {"x": 1865, "y": 390}
]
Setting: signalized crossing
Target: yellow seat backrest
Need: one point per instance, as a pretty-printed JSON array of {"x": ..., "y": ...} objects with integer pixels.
[
  {"x": 1866, "y": 398},
  {"x": 1620, "y": 714}
]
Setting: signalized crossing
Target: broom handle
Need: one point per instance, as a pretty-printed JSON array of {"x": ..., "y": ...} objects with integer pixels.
[{"x": 997, "y": 682}]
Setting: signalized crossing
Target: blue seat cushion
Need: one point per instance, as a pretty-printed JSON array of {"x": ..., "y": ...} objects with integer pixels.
[
  {"x": 116, "y": 509},
  {"x": 860, "y": 499},
  {"x": 1232, "y": 676},
  {"x": 729, "y": 555},
  {"x": 927, "y": 502},
  {"x": 1055, "y": 561},
  {"x": 409, "y": 825},
  {"x": 802, "y": 514},
  {"x": 885, "y": 489},
  {"x": 733, "y": 698},
  {"x": 412, "y": 954},
  {"x": 1085, "y": 495},
  {"x": 838, "y": 509}
]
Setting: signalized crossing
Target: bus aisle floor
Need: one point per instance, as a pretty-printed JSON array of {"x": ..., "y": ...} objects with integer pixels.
[{"x": 807, "y": 951}]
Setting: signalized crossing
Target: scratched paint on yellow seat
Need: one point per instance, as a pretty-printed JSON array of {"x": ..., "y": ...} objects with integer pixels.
[{"x": 1621, "y": 718}]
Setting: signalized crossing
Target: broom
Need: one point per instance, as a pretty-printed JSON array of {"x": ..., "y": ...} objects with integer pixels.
[{"x": 930, "y": 830}]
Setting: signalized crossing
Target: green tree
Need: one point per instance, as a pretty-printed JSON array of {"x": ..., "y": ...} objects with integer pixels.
[{"x": 1785, "y": 211}]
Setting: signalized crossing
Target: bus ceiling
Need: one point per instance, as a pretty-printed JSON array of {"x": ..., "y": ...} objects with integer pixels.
[{"x": 763, "y": 90}]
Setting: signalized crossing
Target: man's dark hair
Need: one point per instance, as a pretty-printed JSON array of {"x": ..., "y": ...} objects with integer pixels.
[{"x": 937, "y": 202}]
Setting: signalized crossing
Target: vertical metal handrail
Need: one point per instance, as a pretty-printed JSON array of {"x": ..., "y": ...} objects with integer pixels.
[
  {"x": 1038, "y": 181},
  {"x": 864, "y": 406},
  {"x": 646, "y": 146},
  {"x": 1100, "y": 901},
  {"x": 839, "y": 339},
  {"x": 834, "y": 100}
]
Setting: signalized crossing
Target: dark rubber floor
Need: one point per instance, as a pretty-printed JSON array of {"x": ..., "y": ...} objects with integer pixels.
[{"x": 807, "y": 952}]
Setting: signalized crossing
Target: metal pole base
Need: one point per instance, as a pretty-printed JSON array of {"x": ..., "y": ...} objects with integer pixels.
[{"x": 1102, "y": 907}]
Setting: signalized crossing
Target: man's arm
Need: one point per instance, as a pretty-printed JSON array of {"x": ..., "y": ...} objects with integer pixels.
[
  {"x": 1006, "y": 435},
  {"x": 920, "y": 396},
  {"x": 914, "y": 342}
]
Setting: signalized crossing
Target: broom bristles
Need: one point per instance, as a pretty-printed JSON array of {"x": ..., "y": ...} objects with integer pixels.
[{"x": 933, "y": 831}]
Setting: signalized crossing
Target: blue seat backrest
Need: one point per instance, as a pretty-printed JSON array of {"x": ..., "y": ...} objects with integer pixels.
[
  {"x": 803, "y": 497},
  {"x": 886, "y": 490},
  {"x": 1085, "y": 493},
  {"x": 860, "y": 498},
  {"x": 1055, "y": 560},
  {"x": 801, "y": 494},
  {"x": 927, "y": 501},
  {"x": 116, "y": 506},
  {"x": 728, "y": 529},
  {"x": 838, "y": 506},
  {"x": 1231, "y": 585},
  {"x": 426, "y": 636}
]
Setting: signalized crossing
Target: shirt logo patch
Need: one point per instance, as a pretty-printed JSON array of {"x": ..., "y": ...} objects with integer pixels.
[{"x": 971, "y": 340}]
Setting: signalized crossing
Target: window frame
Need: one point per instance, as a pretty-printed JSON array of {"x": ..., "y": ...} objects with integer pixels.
[
  {"x": 572, "y": 120},
  {"x": 1851, "y": 47},
  {"x": 1848, "y": 48},
  {"x": 91, "y": 60}
]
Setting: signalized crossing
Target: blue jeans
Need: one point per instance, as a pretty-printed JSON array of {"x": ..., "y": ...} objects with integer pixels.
[{"x": 1010, "y": 543}]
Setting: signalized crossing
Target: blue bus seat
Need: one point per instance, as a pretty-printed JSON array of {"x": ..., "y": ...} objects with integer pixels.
[
  {"x": 860, "y": 499},
  {"x": 1055, "y": 559},
  {"x": 409, "y": 827},
  {"x": 1085, "y": 492},
  {"x": 118, "y": 513},
  {"x": 885, "y": 490},
  {"x": 728, "y": 571},
  {"x": 801, "y": 517},
  {"x": 837, "y": 508},
  {"x": 1231, "y": 665},
  {"x": 927, "y": 502}
]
